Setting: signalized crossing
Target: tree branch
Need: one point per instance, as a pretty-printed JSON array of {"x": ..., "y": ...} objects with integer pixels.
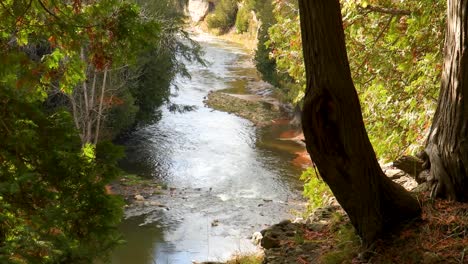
[{"x": 389, "y": 11}]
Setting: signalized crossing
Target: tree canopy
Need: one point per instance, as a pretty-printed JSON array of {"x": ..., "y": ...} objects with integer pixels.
[{"x": 65, "y": 87}]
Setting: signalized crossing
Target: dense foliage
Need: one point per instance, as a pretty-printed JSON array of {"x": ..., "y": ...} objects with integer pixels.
[
  {"x": 224, "y": 16},
  {"x": 53, "y": 204},
  {"x": 73, "y": 73},
  {"x": 159, "y": 65},
  {"x": 395, "y": 52},
  {"x": 315, "y": 189}
]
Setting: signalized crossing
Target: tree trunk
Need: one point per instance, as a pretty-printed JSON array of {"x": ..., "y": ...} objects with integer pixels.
[
  {"x": 101, "y": 102},
  {"x": 447, "y": 144},
  {"x": 334, "y": 130},
  {"x": 89, "y": 125}
]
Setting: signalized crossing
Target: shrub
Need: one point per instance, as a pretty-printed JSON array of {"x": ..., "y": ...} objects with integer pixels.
[
  {"x": 224, "y": 16},
  {"x": 316, "y": 190},
  {"x": 242, "y": 19}
]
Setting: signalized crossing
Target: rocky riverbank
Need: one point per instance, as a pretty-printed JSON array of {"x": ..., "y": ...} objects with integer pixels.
[{"x": 256, "y": 108}]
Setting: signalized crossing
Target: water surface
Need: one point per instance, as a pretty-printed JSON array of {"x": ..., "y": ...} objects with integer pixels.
[{"x": 230, "y": 178}]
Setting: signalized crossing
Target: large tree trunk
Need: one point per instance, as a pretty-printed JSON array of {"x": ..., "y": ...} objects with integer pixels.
[
  {"x": 334, "y": 130},
  {"x": 447, "y": 144}
]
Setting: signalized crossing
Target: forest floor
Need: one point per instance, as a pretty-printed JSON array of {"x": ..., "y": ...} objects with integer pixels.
[{"x": 440, "y": 236}]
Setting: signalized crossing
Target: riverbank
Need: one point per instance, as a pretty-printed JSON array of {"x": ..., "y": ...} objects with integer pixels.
[{"x": 252, "y": 107}]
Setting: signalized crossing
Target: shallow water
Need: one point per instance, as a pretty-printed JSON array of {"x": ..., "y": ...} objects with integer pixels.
[{"x": 230, "y": 178}]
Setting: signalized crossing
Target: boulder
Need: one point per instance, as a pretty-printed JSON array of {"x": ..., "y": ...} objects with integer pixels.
[
  {"x": 198, "y": 9},
  {"x": 257, "y": 238},
  {"x": 270, "y": 241}
]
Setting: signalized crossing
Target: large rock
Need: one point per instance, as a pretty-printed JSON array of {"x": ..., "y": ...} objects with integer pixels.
[{"x": 198, "y": 9}]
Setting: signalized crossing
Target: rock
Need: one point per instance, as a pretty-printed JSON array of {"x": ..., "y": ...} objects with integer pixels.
[
  {"x": 317, "y": 227},
  {"x": 407, "y": 182},
  {"x": 423, "y": 187},
  {"x": 139, "y": 197},
  {"x": 323, "y": 213},
  {"x": 256, "y": 238},
  {"x": 198, "y": 9},
  {"x": 410, "y": 164},
  {"x": 268, "y": 242},
  {"x": 394, "y": 173},
  {"x": 299, "y": 220},
  {"x": 423, "y": 176},
  {"x": 215, "y": 223}
]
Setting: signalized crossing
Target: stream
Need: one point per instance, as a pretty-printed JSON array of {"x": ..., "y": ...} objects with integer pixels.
[{"x": 227, "y": 177}]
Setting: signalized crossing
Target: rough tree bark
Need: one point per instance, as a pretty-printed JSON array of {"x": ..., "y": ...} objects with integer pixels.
[
  {"x": 334, "y": 129},
  {"x": 447, "y": 144}
]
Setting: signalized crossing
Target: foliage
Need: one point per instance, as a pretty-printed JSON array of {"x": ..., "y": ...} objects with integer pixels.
[
  {"x": 54, "y": 208},
  {"x": 242, "y": 19},
  {"x": 286, "y": 48},
  {"x": 157, "y": 66},
  {"x": 265, "y": 65},
  {"x": 316, "y": 190},
  {"x": 122, "y": 114},
  {"x": 396, "y": 65},
  {"x": 53, "y": 203},
  {"x": 224, "y": 16},
  {"x": 395, "y": 61}
]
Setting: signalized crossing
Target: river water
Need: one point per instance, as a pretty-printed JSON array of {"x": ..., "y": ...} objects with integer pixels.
[{"x": 228, "y": 178}]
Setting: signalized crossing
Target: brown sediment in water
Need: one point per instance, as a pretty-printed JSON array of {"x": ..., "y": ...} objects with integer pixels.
[{"x": 302, "y": 159}]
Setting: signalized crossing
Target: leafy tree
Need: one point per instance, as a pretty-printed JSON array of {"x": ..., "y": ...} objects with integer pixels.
[
  {"x": 396, "y": 65},
  {"x": 157, "y": 67},
  {"x": 286, "y": 48},
  {"x": 265, "y": 65},
  {"x": 53, "y": 204},
  {"x": 242, "y": 19},
  {"x": 224, "y": 16},
  {"x": 396, "y": 51},
  {"x": 334, "y": 129}
]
